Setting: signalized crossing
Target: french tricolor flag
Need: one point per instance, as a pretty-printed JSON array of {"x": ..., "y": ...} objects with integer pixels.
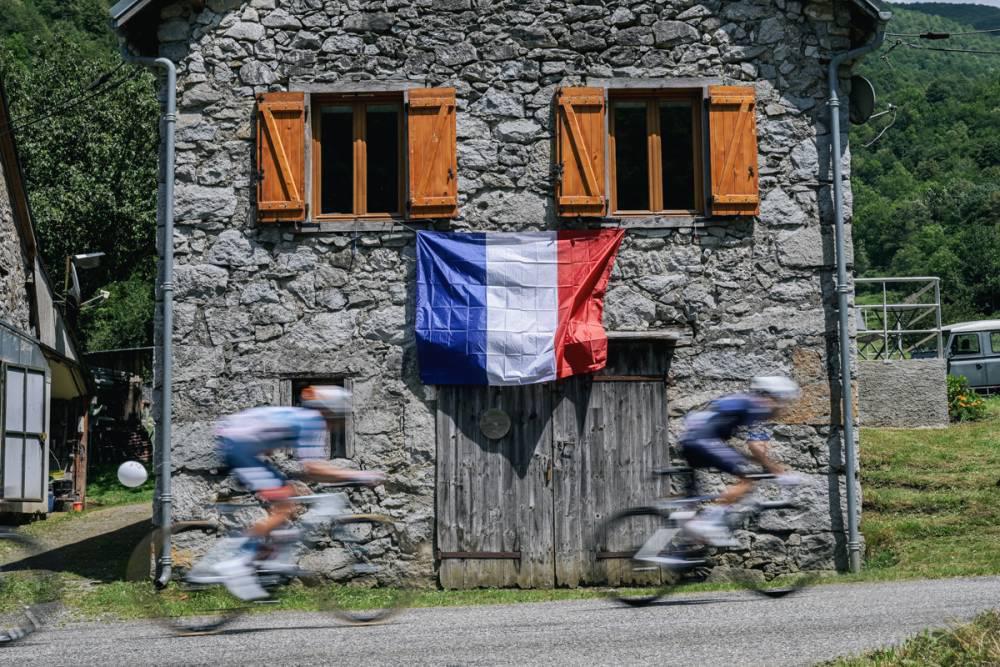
[{"x": 512, "y": 308}]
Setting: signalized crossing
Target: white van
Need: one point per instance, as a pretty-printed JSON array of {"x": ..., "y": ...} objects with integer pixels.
[{"x": 974, "y": 351}]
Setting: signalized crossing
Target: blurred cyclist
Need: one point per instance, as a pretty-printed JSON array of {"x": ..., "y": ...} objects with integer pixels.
[
  {"x": 703, "y": 444},
  {"x": 244, "y": 441}
]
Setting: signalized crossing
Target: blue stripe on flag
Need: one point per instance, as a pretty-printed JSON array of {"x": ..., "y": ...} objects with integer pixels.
[{"x": 451, "y": 308}]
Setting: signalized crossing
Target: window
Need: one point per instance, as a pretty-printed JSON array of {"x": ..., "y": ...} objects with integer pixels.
[
  {"x": 653, "y": 142},
  {"x": 965, "y": 344},
  {"x": 340, "y": 443},
  {"x": 24, "y": 425},
  {"x": 995, "y": 341},
  {"x": 656, "y": 153},
  {"x": 357, "y": 157},
  {"x": 371, "y": 155}
]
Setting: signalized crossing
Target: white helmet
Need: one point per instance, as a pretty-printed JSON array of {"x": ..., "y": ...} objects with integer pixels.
[
  {"x": 328, "y": 398},
  {"x": 777, "y": 387}
]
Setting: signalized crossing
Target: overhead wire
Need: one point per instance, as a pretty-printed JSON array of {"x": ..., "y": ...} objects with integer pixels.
[
  {"x": 941, "y": 35},
  {"x": 893, "y": 109},
  {"x": 99, "y": 86},
  {"x": 945, "y": 49},
  {"x": 929, "y": 36}
]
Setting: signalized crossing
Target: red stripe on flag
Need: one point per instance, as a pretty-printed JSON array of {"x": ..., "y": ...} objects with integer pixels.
[{"x": 585, "y": 259}]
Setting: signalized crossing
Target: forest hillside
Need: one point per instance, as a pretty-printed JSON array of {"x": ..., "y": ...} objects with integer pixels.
[{"x": 927, "y": 192}]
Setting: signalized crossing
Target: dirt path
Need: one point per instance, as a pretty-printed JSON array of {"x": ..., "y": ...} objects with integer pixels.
[{"x": 95, "y": 545}]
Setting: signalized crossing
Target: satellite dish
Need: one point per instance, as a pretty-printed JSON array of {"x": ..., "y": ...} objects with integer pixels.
[{"x": 862, "y": 100}]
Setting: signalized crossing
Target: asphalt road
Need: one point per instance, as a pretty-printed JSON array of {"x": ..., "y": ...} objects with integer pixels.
[{"x": 705, "y": 629}]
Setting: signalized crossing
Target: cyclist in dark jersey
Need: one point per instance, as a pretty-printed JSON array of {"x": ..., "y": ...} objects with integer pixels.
[{"x": 704, "y": 445}]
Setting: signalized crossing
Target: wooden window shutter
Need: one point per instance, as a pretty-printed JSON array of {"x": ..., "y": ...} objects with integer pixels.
[
  {"x": 433, "y": 163},
  {"x": 580, "y": 148},
  {"x": 281, "y": 157},
  {"x": 733, "y": 157}
]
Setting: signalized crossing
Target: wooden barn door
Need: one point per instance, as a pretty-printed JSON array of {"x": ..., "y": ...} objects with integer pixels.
[
  {"x": 521, "y": 510},
  {"x": 609, "y": 432},
  {"x": 494, "y": 504}
]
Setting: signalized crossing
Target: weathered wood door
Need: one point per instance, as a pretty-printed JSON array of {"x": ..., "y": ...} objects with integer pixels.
[
  {"x": 522, "y": 510},
  {"x": 609, "y": 432},
  {"x": 494, "y": 505}
]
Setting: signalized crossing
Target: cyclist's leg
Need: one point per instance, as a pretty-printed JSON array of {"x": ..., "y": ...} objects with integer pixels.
[
  {"x": 710, "y": 524},
  {"x": 713, "y": 453},
  {"x": 272, "y": 488},
  {"x": 266, "y": 482}
]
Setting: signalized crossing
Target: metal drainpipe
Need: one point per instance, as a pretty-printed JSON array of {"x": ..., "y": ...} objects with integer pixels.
[
  {"x": 843, "y": 289},
  {"x": 166, "y": 392}
]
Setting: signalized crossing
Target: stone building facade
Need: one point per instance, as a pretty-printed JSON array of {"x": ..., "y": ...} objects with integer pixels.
[
  {"x": 260, "y": 305},
  {"x": 15, "y": 304}
]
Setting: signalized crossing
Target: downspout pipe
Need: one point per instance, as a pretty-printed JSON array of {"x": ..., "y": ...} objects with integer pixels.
[
  {"x": 167, "y": 287},
  {"x": 844, "y": 289}
]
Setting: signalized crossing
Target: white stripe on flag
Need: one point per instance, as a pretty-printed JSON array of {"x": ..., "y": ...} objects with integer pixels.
[{"x": 522, "y": 306}]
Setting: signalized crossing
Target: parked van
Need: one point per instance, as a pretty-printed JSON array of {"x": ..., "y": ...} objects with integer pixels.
[{"x": 974, "y": 351}]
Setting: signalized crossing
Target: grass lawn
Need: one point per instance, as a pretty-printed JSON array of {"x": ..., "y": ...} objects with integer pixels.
[
  {"x": 976, "y": 643},
  {"x": 104, "y": 489},
  {"x": 932, "y": 499}
]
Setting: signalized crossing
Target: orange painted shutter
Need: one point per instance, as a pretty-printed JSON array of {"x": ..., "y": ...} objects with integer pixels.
[
  {"x": 733, "y": 131},
  {"x": 281, "y": 157},
  {"x": 580, "y": 147},
  {"x": 433, "y": 160}
]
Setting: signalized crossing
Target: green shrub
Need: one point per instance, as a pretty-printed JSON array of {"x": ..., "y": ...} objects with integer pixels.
[{"x": 963, "y": 403}]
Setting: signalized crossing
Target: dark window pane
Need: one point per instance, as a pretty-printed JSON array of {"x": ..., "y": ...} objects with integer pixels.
[
  {"x": 677, "y": 133},
  {"x": 337, "y": 139},
  {"x": 336, "y": 436},
  {"x": 383, "y": 158},
  {"x": 965, "y": 344},
  {"x": 631, "y": 165}
]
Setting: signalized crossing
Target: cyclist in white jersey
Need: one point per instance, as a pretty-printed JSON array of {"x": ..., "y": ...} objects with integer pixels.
[{"x": 245, "y": 440}]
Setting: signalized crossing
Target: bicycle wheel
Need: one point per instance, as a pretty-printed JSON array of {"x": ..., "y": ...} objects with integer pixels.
[
  {"x": 782, "y": 585},
  {"x": 184, "y": 607},
  {"x": 619, "y": 539},
  {"x": 363, "y": 589},
  {"x": 29, "y": 589}
]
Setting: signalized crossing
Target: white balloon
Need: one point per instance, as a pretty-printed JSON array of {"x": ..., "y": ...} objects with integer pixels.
[{"x": 132, "y": 473}]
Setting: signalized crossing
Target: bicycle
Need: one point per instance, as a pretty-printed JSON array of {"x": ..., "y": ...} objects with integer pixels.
[
  {"x": 199, "y": 608},
  {"x": 29, "y": 592},
  {"x": 627, "y": 540}
]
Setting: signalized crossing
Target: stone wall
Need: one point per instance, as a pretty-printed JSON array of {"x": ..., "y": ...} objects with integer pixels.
[
  {"x": 15, "y": 306},
  {"x": 904, "y": 393},
  {"x": 256, "y": 303}
]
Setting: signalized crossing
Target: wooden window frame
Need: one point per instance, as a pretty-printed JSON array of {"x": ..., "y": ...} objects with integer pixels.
[
  {"x": 653, "y": 97},
  {"x": 358, "y": 101}
]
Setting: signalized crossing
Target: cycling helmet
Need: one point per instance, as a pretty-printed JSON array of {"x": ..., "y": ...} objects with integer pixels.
[
  {"x": 328, "y": 398},
  {"x": 777, "y": 387}
]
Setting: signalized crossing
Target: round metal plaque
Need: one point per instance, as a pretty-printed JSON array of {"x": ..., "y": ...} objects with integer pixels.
[{"x": 494, "y": 423}]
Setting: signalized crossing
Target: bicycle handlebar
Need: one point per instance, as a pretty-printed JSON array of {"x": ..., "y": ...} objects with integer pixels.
[{"x": 686, "y": 470}]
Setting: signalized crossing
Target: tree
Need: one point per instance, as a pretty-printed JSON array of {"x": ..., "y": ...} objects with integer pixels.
[{"x": 91, "y": 168}]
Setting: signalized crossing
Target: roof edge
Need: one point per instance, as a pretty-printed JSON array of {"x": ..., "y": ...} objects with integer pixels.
[
  {"x": 873, "y": 10},
  {"x": 123, "y": 10}
]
